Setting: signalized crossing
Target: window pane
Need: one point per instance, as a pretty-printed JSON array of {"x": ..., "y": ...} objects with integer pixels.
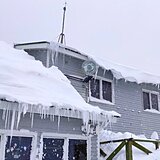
[
  {"x": 107, "y": 90},
  {"x": 154, "y": 99},
  {"x": 53, "y": 149},
  {"x": 19, "y": 148},
  {"x": 95, "y": 88},
  {"x": 77, "y": 149},
  {"x": 146, "y": 102}
]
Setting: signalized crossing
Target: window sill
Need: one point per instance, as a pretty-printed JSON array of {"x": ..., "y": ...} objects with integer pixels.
[
  {"x": 93, "y": 99},
  {"x": 152, "y": 111}
]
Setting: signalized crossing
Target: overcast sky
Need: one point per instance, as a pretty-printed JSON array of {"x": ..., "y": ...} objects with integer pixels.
[{"x": 125, "y": 31}]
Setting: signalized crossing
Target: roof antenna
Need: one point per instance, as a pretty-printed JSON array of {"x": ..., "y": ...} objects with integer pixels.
[{"x": 61, "y": 38}]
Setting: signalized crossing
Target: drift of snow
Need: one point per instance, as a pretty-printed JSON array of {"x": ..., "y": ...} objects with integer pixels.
[
  {"x": 27, "y": 81},
  {"x": 154, "y": 135},
  {"x": 119, "y": 71},
  {"x": 137, "y": 154}
]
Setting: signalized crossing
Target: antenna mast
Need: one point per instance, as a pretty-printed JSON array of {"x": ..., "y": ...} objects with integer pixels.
[{"x": 61, "y": 38}]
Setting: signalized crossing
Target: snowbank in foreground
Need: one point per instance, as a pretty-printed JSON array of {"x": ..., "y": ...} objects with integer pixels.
[
  {"x": 137, "y": 154},
  {"x": 25, "y": 80}
]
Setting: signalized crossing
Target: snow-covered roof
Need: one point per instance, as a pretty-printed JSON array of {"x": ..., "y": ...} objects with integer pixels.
[
  {"x": 119, "y": 71},
  {"x": 27, "y": 81}
]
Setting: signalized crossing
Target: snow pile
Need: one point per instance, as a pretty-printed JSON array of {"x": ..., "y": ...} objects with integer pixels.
[
  {"x": 137, "y": 154},
  {"x": 119, "y": 71},
  {"x": 27, "y": 81}
]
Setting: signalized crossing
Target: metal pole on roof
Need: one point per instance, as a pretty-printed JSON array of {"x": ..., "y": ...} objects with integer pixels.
[{"x": 61, "y": 38}]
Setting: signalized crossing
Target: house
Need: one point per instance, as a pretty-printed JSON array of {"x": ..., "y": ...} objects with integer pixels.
[
  {"x": 42, "y": 116},
  {"x": 130, "y": 92}
]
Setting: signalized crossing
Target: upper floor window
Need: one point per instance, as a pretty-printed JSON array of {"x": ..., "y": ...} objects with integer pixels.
[
  {"x": 150, "y": 100},
  {"x": 101, "y": 89}
]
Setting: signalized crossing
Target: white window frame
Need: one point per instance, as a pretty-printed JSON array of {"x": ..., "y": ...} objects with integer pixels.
[
  {"x": 66, "y": 138},
  {"x": 150, "y": 101},
  {"x": 22, "y": 133},
  {"x": 101, "y": 100},
  {"x": 1, "y": 146}
]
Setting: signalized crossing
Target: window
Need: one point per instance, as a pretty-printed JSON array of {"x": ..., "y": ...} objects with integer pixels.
[
  {"x": 77, "y": 149},
  {"x": 150, "y": 100},
  {"x": 95, "y": 88},
  {"x": 101, "y": 89},
  {"x": 18, "y": 148},
  {"x": 53, "y": 149},
  {"x": 64, "y": 148}
]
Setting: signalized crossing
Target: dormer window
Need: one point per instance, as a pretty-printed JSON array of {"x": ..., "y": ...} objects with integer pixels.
[
  {"x": 101, "y": 89},
  {"x": 150, "y": 100}
]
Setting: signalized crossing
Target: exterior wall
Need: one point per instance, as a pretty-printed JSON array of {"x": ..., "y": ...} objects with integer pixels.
[
  {"x": 69, "y": 127},
  {"x": 128, "y": 102},
  {"x": 70, "y": 65},
  {"x": 39, "y": 54},
  {"x": 150, "y": 121},
  {"x": 94, "y": 147},
  {"x": 127, "y": 96}
]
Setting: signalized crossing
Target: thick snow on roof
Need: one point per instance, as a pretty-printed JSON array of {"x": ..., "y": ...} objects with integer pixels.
[
  {"x": 25, "y": 80},
  {"x": 119, "y": 71},
  {"x": 123, "y": 72}
]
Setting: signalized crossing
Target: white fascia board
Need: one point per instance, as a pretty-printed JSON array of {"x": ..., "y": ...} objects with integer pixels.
[
  {"x": 61, "y": 49},
  {"x": 32, "y": 45}
]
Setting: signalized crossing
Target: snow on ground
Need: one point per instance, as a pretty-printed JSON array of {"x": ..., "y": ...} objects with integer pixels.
[
  {"x": 25, "y": 80},
  {"x": 119, "y": 71},
  {"x": 137, "y": 154}
]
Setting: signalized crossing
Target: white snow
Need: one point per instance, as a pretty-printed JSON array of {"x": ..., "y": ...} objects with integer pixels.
[
  {"x": 119, "y": 71},
  {"x": 137, "y": 154},
  {"x": 27, "y": 81},
  {"x": 100, "y": 100},
  {"x": 154, "y": 135},
  {"x": 152, "y": 111}
]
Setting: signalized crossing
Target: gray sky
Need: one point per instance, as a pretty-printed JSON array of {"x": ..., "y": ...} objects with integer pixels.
[{"x": 125, "y": 31}]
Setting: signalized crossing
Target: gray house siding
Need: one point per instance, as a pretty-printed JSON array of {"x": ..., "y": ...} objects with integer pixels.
[
  {"x": 127, "y": 97},
  {"x": 94, "y": 147},
  {"x": 150, "y": 121},
  {"x": 39, "y": 54},
  {"x": 70, "y": 65},
  {"x": 68, "y": 126},
  {"x": 128, "y": 104}
]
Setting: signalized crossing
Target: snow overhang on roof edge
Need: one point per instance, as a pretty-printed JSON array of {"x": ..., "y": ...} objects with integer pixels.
[
  {"x": 119, "y": 71},
  {"x": 19, "y": 81},
  {"x": 102, "y": 119}
]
